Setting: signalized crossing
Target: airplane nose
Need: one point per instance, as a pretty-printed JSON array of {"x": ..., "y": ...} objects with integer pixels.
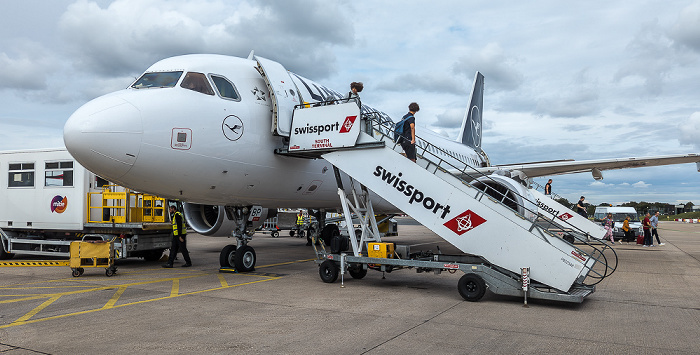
[{"x": 104, "y": 135}]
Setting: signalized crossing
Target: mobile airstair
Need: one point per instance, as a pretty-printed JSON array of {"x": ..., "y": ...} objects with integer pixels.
[{"x": 506, "y": 237}]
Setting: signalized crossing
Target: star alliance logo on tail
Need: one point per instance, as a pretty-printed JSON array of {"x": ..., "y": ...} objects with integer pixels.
[{"x": 465, "y": 222}]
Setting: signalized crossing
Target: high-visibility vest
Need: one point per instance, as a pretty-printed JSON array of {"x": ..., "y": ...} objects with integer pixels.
[
  {"x": 300, "y": 220},
  {"x": 183, "y": 228}
]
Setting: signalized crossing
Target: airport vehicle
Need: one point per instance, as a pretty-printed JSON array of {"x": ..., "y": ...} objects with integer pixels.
[
  {"x": 619, "y": 214},
  {"x": 48, "y": 200},
  {"x": 242, "y": 147},
  {"x": 92, "y": 254}
]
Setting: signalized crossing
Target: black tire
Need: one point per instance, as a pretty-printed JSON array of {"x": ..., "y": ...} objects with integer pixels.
[
  {"x": 291, "y": 234},
  {"x": 569, "y": 238},
  {"x": 472, "y": 287},
  {"x": 275, "y": 234},
  {"x": 153, "y": 255},
  {"x": 328, "y": 271},
  {"x": 228, "y": 254},
  {"x": 3, "y": 254},
  {"x": 300, "y": 234},
  {"x": 357, "y": 272},
  {"x": 109, "y": 272},
  {"x": 76, "y": 273},
  {"x": 81, "y": 270},
  {"x": 328, "y": 232},
  {"x": 244, "y": 259}
]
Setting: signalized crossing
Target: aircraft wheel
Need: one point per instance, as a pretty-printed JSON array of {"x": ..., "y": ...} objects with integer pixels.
[
  {"x": 328, "y": 232},
  {"x": 244, "y": 259},
  {"x": 228, "y": 254},
  {"x": 472, "y": 287},
  {"x": 275, "y": 234},
  {"x": 328, "y": 271},
  {"x": 357, "y": 272}
]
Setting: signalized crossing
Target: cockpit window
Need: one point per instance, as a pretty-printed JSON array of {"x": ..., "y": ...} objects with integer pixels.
[
  {"x": 225, "y": 88},
  {"x": 197, "y": 82},
  {"x": 157, "y": 80}
]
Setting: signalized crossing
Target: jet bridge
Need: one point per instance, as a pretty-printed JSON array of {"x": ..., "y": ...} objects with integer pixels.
[{"x": 497, "y": 240}]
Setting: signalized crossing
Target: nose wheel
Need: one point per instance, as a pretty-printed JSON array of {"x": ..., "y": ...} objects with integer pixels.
[{"x": 242, "y": 259}]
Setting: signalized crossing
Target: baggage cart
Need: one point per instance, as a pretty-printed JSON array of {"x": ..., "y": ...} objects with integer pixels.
[{"x": 92, "y": 254}]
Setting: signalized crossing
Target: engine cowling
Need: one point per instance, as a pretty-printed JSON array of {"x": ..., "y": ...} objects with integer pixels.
[
  {"x": 517, "y": 196},
  {"x": 208, "y": 220},
  {"x": 211, "y": 220}
]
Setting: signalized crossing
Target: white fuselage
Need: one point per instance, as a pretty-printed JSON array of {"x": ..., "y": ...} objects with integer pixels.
[{"x": 132, "y": 137}]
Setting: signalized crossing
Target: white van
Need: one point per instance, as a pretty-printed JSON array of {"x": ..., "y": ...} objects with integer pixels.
[{"x": 619, "y": 214}]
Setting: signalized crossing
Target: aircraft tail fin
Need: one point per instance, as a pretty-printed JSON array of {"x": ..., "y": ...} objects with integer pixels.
[{"x": 470, "y": 134}]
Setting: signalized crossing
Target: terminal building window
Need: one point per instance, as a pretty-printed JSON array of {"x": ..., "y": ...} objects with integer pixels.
[
  {"x": 21, "y": 175},
  {"x": 197, "y": 82},
  {"x": 225, "y": 88},
  {"x": 59, "y": 174}
]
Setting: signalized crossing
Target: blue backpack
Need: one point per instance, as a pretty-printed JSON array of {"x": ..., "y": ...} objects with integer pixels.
[{"x": 398, "y": 128}]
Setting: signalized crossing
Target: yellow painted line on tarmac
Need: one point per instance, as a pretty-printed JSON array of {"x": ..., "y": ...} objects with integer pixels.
[
  {"x": 285, "y": 263},
  {"x": 112, "y": 301},
  {"x": 111, "y": 304},
  {"x": 36, "y": 310},
  {"x": 30, "y": 321},
  {"x": 175, "y": 289},
  {"x": 222, "y": 280}
]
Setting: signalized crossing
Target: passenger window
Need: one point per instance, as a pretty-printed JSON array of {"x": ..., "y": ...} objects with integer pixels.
[
  {"x": 59, "y": 174},
  {"x": 197, "y": 82},
  {"x": 21, "y": 175},
  {"x": 225, "y": 88},
  {"x": 157, "y": 80}
]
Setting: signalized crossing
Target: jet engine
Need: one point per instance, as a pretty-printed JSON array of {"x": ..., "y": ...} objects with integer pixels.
[
  {"x": 509, "y": 191},
  {"x": 211, "y": 220}
]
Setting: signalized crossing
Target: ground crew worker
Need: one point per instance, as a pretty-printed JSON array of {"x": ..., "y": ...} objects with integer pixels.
[
  {"x": 300, "y": 222},
  {"x": 179, "y": 239}
]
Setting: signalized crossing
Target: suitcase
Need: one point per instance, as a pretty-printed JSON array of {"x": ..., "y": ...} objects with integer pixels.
[{"x": 640, "y": 239}]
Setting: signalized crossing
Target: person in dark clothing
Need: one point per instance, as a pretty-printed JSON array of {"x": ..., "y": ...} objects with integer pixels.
[
  {"x": 408, "y": 138},
  {"x": 548, "y": 188},
  {"x": 646, "y": 225},
  {"x": 179, "y": 239},
  {"x": 581, "y": 207}
]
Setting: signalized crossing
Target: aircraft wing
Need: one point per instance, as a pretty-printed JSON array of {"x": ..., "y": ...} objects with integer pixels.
[{"x": 594, "y": 166}]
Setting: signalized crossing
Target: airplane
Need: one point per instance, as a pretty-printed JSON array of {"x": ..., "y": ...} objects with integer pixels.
[{"x": 203, "y": 129}]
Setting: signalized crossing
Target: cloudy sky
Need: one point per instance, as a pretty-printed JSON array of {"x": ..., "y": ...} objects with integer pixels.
[{"x": 582, "y": 80}]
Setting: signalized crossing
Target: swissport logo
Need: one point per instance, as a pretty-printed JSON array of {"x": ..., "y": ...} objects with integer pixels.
[
  {"x": 465, "y": 222},
  {"x": 565, "y": 216},
  {"x": 59, "y": 204},
  {"x": 347, "y": 125}
]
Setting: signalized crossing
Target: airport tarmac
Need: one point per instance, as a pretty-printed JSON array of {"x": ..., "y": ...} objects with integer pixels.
[{"x": 651, "y": 305}]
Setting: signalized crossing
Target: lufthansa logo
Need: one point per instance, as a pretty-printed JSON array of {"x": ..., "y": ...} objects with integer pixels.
[{"x": 232, "y": 128}]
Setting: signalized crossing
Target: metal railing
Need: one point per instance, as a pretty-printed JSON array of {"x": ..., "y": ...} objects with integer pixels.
[{"x": 382, "y": 127}]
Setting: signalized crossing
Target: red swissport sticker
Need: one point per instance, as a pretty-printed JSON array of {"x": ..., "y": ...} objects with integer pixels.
[
  {"x": 465, "y": 222},
  {"x": 565, "y": 216},
  {"x": 349, "y": 121}
]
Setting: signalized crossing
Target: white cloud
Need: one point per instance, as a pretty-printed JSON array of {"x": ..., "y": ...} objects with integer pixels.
[
  {"x": 641, "y": 185},
  {"x": 686, "y": 31},
  {"x": 690, "y": 130}
]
